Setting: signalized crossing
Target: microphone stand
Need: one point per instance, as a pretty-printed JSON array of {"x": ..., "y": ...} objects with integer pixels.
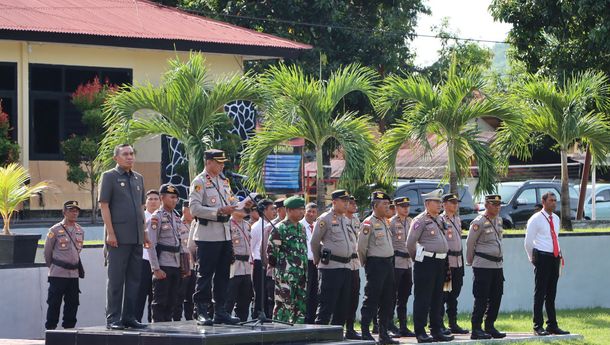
[{"x": 262, "y": 318}]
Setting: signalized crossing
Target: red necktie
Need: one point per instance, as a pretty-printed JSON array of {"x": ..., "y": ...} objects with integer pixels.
[
  {"x": 310, "y": 228},
  {"x": 554, "y": 236}
]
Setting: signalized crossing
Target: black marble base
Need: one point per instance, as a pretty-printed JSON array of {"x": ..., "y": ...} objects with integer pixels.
[{"x": 188, "y": 333}]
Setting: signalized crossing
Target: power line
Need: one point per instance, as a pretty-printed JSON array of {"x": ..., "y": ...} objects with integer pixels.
[{"x": 273, "y": 20}]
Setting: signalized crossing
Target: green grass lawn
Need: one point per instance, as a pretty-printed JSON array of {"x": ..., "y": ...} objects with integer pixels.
[{"x": 593, "y": 324}]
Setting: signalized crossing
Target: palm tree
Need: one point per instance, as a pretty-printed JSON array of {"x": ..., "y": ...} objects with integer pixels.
[
  {"x": 570, "y": 113},
  {"x": 187, "y": 106},
  {"x": 300, "y": 106},
  {"x": 15, "y": 189},
  {"x": 448, "y": 112}
]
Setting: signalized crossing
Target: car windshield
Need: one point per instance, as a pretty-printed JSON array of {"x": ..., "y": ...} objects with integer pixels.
[{"x": 506, "y": 192}]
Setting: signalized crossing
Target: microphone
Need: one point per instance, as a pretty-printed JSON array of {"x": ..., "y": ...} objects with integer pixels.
[{"x": 235, "y": 175}]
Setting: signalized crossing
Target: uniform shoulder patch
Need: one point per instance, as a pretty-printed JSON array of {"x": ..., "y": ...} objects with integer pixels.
[
  {"x": 322, "y": 223},
  {"x": 366, "y": 230},
  {"x": 51, "y": 234},
  {"x": 475, "y": 226}
]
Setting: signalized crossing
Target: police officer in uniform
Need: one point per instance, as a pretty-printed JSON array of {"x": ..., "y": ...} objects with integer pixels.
[
  {"x": 212, "y": 203},
  {"x": 240, "y": 285},
  {"x": 484, "y": 254},
  {"x": 61, "y": 253},
  {"x": 332, "y": 245},
  {"x": 403, "y": 274},
  {"x": 168, "y": 236},
  {"x": 280, "y": 209},
  {"x": 376, "y": 253},
  {"x": 427, "y": 245},
  {"x": 350, "y": 332},
  {"x": 456, "y": 260}
]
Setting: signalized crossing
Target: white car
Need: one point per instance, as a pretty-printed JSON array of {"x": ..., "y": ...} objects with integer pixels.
[{"x": 602, "y": 201}]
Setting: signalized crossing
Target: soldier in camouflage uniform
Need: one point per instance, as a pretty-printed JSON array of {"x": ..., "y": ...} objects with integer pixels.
[{"x": 287, "y": 251}]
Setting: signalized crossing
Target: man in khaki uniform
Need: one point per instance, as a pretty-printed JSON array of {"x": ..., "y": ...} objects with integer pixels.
[
  {"x": 61, "y": 254},
  {"x": 212, "y": 203},
  {"x": 456, "y": 260},
  {"x": 168, "y": 236},
  {"x": 484, "y": 254},
  {"x": 332, "y": 245},
  {"x": 240, "y": 291},
  {"x": 350, "y": 332},
  {"x": 376, "y": 253},
  {"x": 427, "y": 245},
  {"x": 403, "y": 273}
]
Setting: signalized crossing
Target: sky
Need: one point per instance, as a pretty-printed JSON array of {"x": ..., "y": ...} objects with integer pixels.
[{"x": 468, "y": 18}]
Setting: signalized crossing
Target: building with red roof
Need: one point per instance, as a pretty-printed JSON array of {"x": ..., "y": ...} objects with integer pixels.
[{"x": 49, "y": 47}]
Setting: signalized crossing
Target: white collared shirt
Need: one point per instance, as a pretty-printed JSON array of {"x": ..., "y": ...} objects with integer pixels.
[
  {"x": 255, "y": 234},
  {"x": 309, "y": 232},
  {"x": 538, "y": 233}
]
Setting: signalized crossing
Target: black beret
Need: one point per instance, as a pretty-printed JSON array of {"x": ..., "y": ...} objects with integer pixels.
[{"x": 378, "y": 195}]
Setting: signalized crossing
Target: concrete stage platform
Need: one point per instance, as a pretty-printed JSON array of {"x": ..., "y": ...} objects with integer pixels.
[{"x": 188, "y": 333}]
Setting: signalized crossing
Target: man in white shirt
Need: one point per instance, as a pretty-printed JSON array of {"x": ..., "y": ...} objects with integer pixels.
[
  {"x": 267, "y": 212},
  {"x": 309, "y": 222},
  {"x": 153, "y": 202},
  {"x": 543, "y": 251}
]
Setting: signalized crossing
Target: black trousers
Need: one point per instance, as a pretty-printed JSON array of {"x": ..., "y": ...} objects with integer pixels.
[
  {"x": 267, "y": 290},
  {"x": 402, "y": 287},
  {"x": 428, "y": 280},
  {"x": 378, "y": 291},
  {"x": 214, "y": 259},
  {"x": 354, "y": 299},
  {"x": 487, "y": 289},
  {"x": 312, "y": 293},
  {"x": 185, "y": 297},
  {"x": 451, "y": 298},
  {"x": 239, "y": 296},
  {"x": 66, "y": 289},
  {"x": 165, "y": 294},
  {"x": 123, "y": 285},
  {"x": 546, "y": 275},
  {"x": 145, "y": 292},
  {"x": 335, "y": 284}
]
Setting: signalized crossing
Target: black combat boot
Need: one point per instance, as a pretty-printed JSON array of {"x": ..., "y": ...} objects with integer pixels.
[{"x": 203, "y": 318}]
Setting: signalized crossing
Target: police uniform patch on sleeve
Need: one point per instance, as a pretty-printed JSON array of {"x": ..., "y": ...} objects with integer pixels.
[
  {"x": 197, "y": 188},
  {"x": 366, "y": 230},
  {"x": 51, "y": 234},
  {"x": 475, "y": 227},
  {"x": 322, "y": 224}
]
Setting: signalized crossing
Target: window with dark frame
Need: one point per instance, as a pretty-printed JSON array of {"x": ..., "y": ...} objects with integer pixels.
[
  {"x": 53, "y": 117},
  {"x": 8, "y": 94}
]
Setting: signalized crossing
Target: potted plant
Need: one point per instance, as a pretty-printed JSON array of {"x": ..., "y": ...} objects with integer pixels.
[{"x": 14, "y": 189}]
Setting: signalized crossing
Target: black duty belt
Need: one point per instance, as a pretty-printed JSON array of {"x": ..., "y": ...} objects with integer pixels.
[
  {"x": 489, "y": 257},
  {"x": 340, "y": 259},
  {"x": 164, "y": 248},
  {"x": 64, "y": 264},
  {"x": 401, "y": 254},
  {"x": 242, "y": 257},
  {"x": 455, "y": 253},
  {"x": 354, "y": 256},
  {"x": 221, "y": 218}
]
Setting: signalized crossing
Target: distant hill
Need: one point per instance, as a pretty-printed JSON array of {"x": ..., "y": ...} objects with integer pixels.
[{"x": 499, "y": 62}]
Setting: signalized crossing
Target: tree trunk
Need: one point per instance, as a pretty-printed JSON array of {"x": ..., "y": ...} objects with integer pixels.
[
  {"x": 580, "y": 210},
  {"x": 93, "y": 202},
  {"x": 320, "y": 186},
  {"x": 453, "y": 183},
  {"x": 7, "y": 225},
  {"x": 566, "y": 222}
]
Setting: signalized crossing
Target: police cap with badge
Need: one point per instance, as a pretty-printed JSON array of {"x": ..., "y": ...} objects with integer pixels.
[
  {"x": 401, "y": 201},
  {"x": 378, "y": 195},
  {"x": 169, "y": 188},
  {"x": 450, "y": 197},
  {"x": 215, "y": 154},
  {"x": 435, "y": 195},
  {"x": 493, "y": 198},
  {"x": 340, "y": 194},
  {"x": 71, "y": 204}
]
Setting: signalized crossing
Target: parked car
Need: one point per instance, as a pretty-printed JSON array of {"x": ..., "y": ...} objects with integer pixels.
[
  {"x": 519, "y": 199},
  {"x": 413, "y": 189},
  {"x": 602, "y": 201}
]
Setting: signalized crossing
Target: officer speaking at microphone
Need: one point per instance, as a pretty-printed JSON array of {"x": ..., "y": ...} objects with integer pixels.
[
  {"x": 428, "y": 247},
  {"x": 484, "y": 254},
  {"x": 212, "y": 203}
]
